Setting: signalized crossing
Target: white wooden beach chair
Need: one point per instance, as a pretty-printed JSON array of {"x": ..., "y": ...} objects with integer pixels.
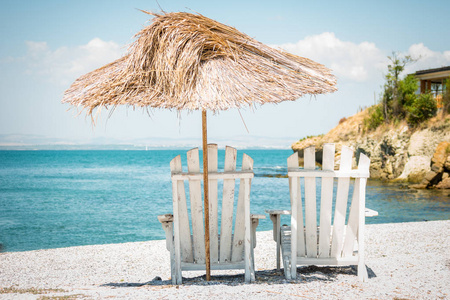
[
  {"x": 334, "y": 240},
  {"x": 232, "y": 247}
]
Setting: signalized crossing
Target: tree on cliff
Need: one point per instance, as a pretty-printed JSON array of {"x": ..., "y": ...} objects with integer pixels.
[{"x": 394, "y": 89}]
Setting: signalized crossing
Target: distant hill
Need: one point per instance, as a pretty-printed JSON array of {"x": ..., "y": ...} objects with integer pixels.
[{"x": 40, "y": 142}]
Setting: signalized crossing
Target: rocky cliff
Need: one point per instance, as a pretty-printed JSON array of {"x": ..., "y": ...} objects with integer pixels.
[{"x": 397, "y": 152}]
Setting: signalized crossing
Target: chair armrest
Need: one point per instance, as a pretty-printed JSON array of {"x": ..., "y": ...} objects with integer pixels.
[
  {"x": 275, "y": 216},
  {"x": 254, "y": 219},
  {"x": 370, "y": 212},
  {"x": 256, "y": 216},
  {"x": 278, "y": 212},
  {"x": 167, "y": 218},
  {"x": 167, "y": 224}
]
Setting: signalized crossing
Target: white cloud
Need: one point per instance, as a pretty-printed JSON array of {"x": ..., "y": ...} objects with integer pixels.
[
  {"x": 65, "y": 64},
  {"x": 357, "y": 62},
  {"x": 426, "y": 58},
  {"x": 362, "y": 62}
]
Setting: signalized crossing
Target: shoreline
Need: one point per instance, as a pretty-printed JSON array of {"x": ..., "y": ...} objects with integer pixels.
[{"x": 404, "y": 260}]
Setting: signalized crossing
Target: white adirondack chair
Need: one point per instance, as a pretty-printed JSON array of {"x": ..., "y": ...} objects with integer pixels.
[
  {"x": 232, "y": 248},
  {"x": 329, "y": 243}
]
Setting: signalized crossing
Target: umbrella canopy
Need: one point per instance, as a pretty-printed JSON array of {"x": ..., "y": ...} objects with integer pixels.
[{"x": 188, "y": 61}]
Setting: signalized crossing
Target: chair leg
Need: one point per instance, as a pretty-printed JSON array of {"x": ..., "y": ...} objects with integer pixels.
[
  {"x": 277, "y": 235},
  {"x": 173, "y": 273},
  {"x": 362, "y": 270},
  {"x": 278, "y": 241},
  {"x": 252, "y": 264},
  {"x": 287, "y": 268},
  {"x": 177, "y": 275},
  {"x": 249, "y": 265},
  {"x": 175, "y": 268},
  {"x": 248, "y": 243},
  {"x": 362, "y": 273}
]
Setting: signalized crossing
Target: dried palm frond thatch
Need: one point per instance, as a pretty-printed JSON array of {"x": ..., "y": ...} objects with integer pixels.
[{"x": 188, "y": 61}]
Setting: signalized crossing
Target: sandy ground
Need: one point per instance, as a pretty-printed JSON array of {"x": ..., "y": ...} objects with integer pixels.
[{"x": 404, "y": 261}]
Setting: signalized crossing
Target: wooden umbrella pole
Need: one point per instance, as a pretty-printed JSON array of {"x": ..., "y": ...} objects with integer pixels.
[{"x": 205, "y": 192}]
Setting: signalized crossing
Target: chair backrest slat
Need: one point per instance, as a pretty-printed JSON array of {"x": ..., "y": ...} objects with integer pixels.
[
  {"x": 239, "y": 225},
  {"x": 226, "y": 227},
  {"x": 213, "y": 206},
  {"x": 298, "y": 241},
  {"x": 326, "y": 201},
  {"x": 195, "y": 193},
  {"x": 341, "y": 202},
  {"x": 352, "y": 224},
  {"x": 310, "y": 204},
  {"x": 181, "y": 214},
  {"x": 355, "y": 210}
]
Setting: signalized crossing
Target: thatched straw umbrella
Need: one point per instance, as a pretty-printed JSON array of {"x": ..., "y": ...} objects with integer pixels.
[{"x": 188, "y": 61}]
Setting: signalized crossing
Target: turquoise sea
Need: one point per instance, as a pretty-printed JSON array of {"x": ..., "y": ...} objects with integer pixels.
[{"x": 51, "y": 199}]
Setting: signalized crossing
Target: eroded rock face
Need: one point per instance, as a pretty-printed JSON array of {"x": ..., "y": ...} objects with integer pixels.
[
  {"x": 444, "y": 184},
  {"x": 440, "y": 157},
  {"x": 447, "y": 163},
  {"x": 424, "y": 142},
  {"x": 438, "y": 176},
  {"x": 415, "y": 169}
]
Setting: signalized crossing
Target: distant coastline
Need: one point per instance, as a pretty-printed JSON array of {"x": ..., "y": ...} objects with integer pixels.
[
  {"x": 35, "y": 142},
  {"x": 88, "y": 147},
  {"x": 117, "y": 147}
]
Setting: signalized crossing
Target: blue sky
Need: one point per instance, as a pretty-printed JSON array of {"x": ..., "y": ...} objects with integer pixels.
[{"x": 46, "y": 45}]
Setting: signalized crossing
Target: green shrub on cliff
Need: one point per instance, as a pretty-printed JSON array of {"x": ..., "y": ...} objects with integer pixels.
[
  {"x": 310, "y": 136},
  {"x": 446, "y": 97},
  {"x": 407, "y": 89},
  {"x": 375, "y": 117},
  {"x": 423, "y": 108}
]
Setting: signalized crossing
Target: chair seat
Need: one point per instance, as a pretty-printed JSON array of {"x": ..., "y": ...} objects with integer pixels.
[{"x": 286, "y": 251}]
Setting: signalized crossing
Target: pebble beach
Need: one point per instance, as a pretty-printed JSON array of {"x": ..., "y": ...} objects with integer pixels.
[{"x": 404, "y": 261}]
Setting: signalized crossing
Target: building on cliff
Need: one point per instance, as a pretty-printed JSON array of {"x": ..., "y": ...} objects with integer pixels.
[{"x": 433, "y": 81}]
